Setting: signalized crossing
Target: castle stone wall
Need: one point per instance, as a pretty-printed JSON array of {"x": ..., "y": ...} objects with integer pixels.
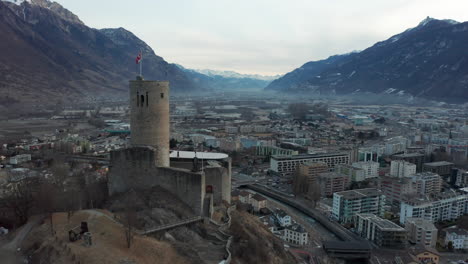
[{"x": 135, "y": 168}]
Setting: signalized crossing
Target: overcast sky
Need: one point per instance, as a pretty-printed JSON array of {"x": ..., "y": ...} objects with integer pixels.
[{"x": 260, "y": 36}]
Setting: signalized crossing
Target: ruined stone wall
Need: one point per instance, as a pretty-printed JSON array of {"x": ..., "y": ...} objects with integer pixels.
[{"x": 135, "y": 168}]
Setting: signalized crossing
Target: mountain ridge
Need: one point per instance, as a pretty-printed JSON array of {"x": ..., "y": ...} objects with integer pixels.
[
  {"x": 428, "y": 61},
  {"x": 48, "y": 59}
]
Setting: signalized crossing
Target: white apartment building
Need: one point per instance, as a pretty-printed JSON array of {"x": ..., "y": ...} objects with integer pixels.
[
  {"x": 287, "y": 165},
  {"x": 349, "y": 203},
  {"x": 421, "y": 231},
  {"x": 371, "y": 168},
  {"x": 450, "y": 207},
  {"x": 401, "y": 168},
  {"x": 295, "y": 234},
  {"x": 458, "y": 237},
  {"x": 283, "y": 218}
]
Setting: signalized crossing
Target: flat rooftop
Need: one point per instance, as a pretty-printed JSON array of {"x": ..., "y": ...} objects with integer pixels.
[
  {"x": 438, "y": 163},
  {"x": 409, "y": 155},
  {"x": 308, "y": 156},
  {"x": 359, "y": 193},
  {"x": 384, "y": 224},
  {"x": 175, "y": 154}
]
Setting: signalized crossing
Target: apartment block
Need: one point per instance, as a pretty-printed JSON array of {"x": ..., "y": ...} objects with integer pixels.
[
  {"x": 396, "y": 189},
  {"x": 349, "y": 203},
  {"x": 442, "y": 168},
  {"x": 444, "y": 207},
  {"x": 287, "y": 165},
  {"x": 421, "y": 231},
  {"x": 370, "y": 168},
  {"x": 401, "y": 168},
  {"x": 427, "y": 183},
  {"x": 307, "y": 175},
  {"x": 415, "y": 158},
  {"x": 381, "y": 232},
  {"x": 355, "y": 174},
  {"x": 332, "y": 182}
]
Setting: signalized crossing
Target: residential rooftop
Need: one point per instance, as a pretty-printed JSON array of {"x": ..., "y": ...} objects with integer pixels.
[
  {"x": 307, "y": 156},
  {"x": 384, "y": 224},
  {"x": 359, "y": 193},
  {"x": 408, "y": 155},
  {"x": 438, "y": 163}
]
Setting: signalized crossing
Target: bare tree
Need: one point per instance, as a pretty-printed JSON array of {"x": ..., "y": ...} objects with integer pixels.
[
  {"x": 314, "y": 192},
  {"x": 129, "y": 218},
  {"x": 47, "y": 199},
  {"x": 21, "y": 200}
]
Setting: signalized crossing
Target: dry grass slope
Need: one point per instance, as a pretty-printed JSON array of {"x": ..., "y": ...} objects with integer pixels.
[
  {"x": 254, "y": 243},
  {"x": 109, "y": 244}
]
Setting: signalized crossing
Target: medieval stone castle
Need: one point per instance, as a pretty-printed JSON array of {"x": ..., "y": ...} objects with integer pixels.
[{"x": 201, "y": 180}]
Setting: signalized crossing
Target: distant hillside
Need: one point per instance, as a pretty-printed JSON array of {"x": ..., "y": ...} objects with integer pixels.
[
  {"x": 429, "y": 61},
  {"x": 50, "y": 56},
  {"x": 293, "y": 80}
]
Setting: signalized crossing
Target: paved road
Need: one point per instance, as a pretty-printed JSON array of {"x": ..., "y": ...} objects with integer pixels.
[{"x": 8, "y": 251}]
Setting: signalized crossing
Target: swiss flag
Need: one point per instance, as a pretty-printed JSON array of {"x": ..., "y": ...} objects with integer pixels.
[{"x": 138, "y": 58}]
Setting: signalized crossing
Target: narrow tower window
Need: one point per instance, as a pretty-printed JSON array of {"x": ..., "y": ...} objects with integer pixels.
[
  {"x": 138, "y": 99},
  {"x": 146, "y": 99},
  {"x": 162, "y": 95},
  {"x": 142, "y": 100}
]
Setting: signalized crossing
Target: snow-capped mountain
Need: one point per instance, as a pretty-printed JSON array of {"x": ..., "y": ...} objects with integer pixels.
[
  {"x": 233, "y": 74},
  {"x": 228, "y": 79}
]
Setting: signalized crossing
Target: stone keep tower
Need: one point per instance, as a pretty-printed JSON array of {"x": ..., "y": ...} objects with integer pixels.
[{"x": 149, "y": 117}]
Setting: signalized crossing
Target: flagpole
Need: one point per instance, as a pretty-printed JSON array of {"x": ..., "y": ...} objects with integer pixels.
[{"x": 141, "y": 62}]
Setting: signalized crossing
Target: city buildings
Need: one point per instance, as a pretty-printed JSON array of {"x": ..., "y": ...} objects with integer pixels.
[
  {"x": 258, "y": 202},
  {"x": 295, "y": 234},
  {"x": 332, "y": 182},
  {"x": 401, "y": 168},
  {"x": 306, "y": 176},
  {"x": 444, "y": 207},
  {"x": 421, "y": 231},
  {"x": 244, "y": 197},
  {"x": 349, "y": 203},
  {"x": 458, "y": 237},
  {"x": 443, "y": 168},
  {"x": 355, "y": 174},
  {"x": 396, "y": 189},
  {"x": 287, "y": 165},
  {"x": 381, "y": 232},
  {"x": 415, "y": 158},
  {"x": 371, "y": 168},
  {"x": 427, "y": 183},
  {"x": 461, "y": 178},
  {"x": 282, "y": 217}
]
